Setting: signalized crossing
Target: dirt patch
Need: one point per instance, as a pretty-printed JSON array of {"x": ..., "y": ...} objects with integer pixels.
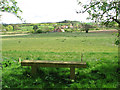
[
  {"x": 103, "y": 31},
  {"x": 14, "y": 35}
]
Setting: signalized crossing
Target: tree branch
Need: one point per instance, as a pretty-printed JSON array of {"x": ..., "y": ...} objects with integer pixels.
[
  {"x": 116, "y": 20},
  {"x": 89, "y": 7}
]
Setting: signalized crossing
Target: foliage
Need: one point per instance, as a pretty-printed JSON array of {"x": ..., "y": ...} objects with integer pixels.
[
  {"x": 117, "y": 42},
  {"x": 110, "y": 24},
  {"x": 10, "y": 6},
  {"x": 100, "y": 10},
  {"x": 35, "y": 27},
  {"x": 8, "y": 27},
  {"x": 86, "y": 27},
  {"x": 68, "y": 30},
  {"x": 31, "y": 31},
  {"x": 117, "y": 39},
  {"x": 39, "y": 31},
  {"x": 46, "y": 29}
]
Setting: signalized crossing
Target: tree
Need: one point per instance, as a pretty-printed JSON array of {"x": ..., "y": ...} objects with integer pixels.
[
  {"x": 10, "y": 6},
  {"x": 35, "y": 27},
  {"x": 102, "y": 10},
  {"x": 86, "y": 27}
]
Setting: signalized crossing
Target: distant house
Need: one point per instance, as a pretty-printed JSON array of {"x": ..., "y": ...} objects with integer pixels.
[
  {"x": 71, "y": 26},
  {"x": 59, "y": 30},
  {"x": 63, "y": 27},
  {"x": 62, "y": 30}
]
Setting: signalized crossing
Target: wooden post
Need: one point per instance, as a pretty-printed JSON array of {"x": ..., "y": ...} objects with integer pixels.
[
  {"x": 72, "y": 72},
  {"x": 19, "y": 60}
]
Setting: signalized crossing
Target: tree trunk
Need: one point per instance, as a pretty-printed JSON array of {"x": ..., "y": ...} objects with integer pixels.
[
  {"x": 119, "y": 31},
  {"x": 13, "y": 28},
  {"x": 86, "y": 31}
]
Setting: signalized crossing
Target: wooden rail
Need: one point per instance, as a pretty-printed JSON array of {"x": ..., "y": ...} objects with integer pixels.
[{"x": 38, "y": 63}]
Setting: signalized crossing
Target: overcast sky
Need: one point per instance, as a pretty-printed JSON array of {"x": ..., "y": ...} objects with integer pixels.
[{"x": 37, "y": 11}]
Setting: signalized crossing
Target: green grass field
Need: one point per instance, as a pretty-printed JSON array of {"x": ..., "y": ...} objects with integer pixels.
[{"x": 99, "y": 50}]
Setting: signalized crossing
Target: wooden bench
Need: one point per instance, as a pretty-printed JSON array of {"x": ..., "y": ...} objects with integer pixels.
[{"x": 38, "y": 63}]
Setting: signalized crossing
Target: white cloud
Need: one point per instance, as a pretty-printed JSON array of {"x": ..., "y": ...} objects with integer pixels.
[
  {"x": 9, "y": 18},
  {"x": 36, "y": 11}
]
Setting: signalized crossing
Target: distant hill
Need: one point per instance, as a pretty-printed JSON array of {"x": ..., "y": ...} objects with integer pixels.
[{"x": 68, "y": 21}]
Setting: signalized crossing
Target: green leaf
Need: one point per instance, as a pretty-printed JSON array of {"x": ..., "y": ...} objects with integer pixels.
[
  {"x": 89, "y": 11},
  {"x": 85, "y": 6},
  {"x": 6, "y": 9}
]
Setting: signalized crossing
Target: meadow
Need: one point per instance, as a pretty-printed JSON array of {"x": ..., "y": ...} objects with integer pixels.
[{"x": 99, "y": 52}]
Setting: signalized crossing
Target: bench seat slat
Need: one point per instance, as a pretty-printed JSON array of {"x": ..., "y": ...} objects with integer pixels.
[{"x": 52, "y": 63}]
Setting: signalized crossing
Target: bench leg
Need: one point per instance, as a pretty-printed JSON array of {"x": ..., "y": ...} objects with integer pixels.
[
  {"x": 72, "y": 72},
  {"x": 34, "y": 69}
]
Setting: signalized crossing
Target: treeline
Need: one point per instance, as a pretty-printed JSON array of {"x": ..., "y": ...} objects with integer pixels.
[{"x": 48, "y": 27}]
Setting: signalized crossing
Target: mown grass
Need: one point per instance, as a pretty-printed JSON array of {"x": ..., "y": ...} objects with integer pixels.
[
  {"x": 75, "y": 42},
  {"x": 98, "y": 49}
]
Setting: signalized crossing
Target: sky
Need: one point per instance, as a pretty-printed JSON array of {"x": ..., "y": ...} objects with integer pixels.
[{"x": 38, "y": 11}]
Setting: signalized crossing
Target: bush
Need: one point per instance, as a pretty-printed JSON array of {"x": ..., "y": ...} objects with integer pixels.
[
  {"x": 39, "y": 31},
  {"x": 15, "y": 27},
  {"x": 117, "y": 42},
  {"x": 46, "y": 29},
  {"x": 9, "y": 28},
  {"x": 97, "y": 29},
  {"x": 68, "y": 30},
  {"x": 31, "y": 31}
]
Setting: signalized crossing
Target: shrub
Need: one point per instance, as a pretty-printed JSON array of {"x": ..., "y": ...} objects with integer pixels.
[
  {"x": 68, "y": 30},
  {"x": 15, "y": 27},
  {"x": 97, "y": 29},
  {"x": 7, "y": 29},
  {"x": 46, "y": 29},
  {"x": 10, "y": 27},
  {"x": 39, "y": 31},
  {"x": 117, "y": 42},
  {"x": 31, "y": 31}
]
